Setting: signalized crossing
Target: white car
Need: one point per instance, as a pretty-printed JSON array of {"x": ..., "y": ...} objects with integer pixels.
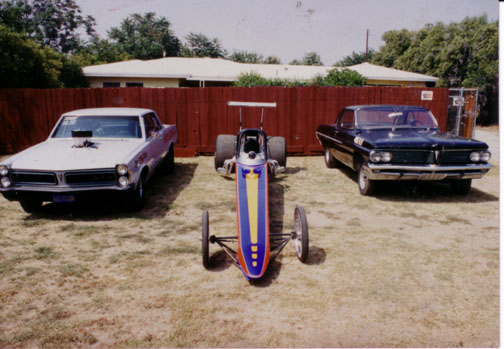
[{"x": 89, "y": 152}]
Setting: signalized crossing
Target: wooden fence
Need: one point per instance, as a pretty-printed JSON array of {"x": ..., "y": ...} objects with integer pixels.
[{"x": 28, "y": 115}]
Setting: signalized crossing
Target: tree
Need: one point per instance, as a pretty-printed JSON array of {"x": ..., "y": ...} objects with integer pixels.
[
  {"x": 25, "y": 63},
  {"x": 341, "y": 77},
  {"x": 396, "y": 43},
  {"x": 463, "y": 54},
  {"x": 246, "y": 57},
  {"x": 310, "y": 58},
  {"x": 54, "y": 23},
  {"x": 100, "y": 51},
  {"x": 355, "y": 58},
  {"x": 198, "y": 45},
  {"x": 145, "y": 37}
]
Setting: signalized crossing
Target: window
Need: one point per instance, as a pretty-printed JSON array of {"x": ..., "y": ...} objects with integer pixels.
[
  {"x": 151, "y": 124},
  {"x": 347, "y": 120},
  {"x": 111, "y": 84},
  {"x": 134, "y": 84}
]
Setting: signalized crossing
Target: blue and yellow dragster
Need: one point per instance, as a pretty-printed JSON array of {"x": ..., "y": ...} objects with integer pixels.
[{"x": 252, "y": 156}]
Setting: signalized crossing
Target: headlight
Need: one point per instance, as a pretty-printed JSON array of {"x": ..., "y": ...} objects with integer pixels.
[
  {"x": 485, "y": 156},
  {"x": 379, "y": 156},
  {"x": 123, "y": 181},
  {"x": 5, "y": 181},
  {"x": 375, "y": 156},
  {"x": 475, "y": 156},
  {"x": 386, "y": 156},
  {"x": 4, "y": 170},
  {"x": 122, "y": 170}
]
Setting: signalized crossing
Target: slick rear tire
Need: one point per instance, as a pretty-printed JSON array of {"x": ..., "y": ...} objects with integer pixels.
[
  {"x": 277, "y": 150},
  {"x": 225, "y": 148}
]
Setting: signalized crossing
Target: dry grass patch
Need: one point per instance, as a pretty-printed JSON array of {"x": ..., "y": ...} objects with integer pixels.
[{"x": 412, "y": 266}]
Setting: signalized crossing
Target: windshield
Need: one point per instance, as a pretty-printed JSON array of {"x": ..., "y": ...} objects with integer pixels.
[
  {"x": 387, "y": 117},
  {"x": 101, "y": 126}
]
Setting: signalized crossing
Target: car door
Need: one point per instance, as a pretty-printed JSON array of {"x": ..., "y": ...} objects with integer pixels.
[
  {"x": 154, "y": 139},
  {"x": 344, "y": 132}
]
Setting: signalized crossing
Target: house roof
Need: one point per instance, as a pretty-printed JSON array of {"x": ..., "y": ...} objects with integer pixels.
[
  {"x": 376, "y": 72},
  {"x": 216, "y": 69}
]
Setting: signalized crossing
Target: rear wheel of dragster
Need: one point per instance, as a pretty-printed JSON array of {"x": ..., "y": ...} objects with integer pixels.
[
  {"x": 301, "y": 239},
  {"x": 205, "y": 241},
  {"x": 225, "y": 148},
  {"x": 277, "y": 150}
]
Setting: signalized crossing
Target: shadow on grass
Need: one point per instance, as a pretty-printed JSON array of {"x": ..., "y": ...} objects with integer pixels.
[
  {"x": 316, "y": 255},
  {"x": 161, "y": 191},
  {"x": 419, "y": 191}
]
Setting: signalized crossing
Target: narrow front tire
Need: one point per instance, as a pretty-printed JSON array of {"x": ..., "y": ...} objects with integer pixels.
[
  {"x": 205, "y": 242},
  {"x": 301, "y": 238}
]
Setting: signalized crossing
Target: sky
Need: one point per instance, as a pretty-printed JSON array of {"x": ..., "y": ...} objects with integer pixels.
[{"x": 290, "y": 28}]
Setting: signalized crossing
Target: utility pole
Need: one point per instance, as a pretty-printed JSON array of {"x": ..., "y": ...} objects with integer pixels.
[{"x": 367, "y": 37}]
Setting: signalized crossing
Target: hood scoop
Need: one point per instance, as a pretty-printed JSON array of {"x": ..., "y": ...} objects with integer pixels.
[{"x": 82, "y": 139}]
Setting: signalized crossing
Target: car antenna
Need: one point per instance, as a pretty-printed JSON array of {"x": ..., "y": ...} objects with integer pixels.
[{"x": 252, "y": 104}]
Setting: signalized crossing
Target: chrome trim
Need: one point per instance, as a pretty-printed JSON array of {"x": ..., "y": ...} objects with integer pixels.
[
  {"x": 429, "y": 168},
  {"x": 426, "y": 173},
  {"x": 332, "y": 139}
]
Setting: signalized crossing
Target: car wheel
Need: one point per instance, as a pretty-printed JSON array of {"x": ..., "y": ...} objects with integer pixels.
[
  {"x": 301, "y": 238},
  {"x": 169, "y": 161},
  {"x": 137, "y": 199},
  {"x": 462, "y": 186},
  {"x": 225, "y": 148},
  {"x": 277, "y": 150},
  {"x": 205, "y": 242},
  {"x": 30, "y": 205},
  {"x": 329, "y": 159},
  {"x": 366, "y": 186}
]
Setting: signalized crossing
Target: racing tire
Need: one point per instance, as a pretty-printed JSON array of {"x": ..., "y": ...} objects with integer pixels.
[
  {"x": 329, "y": 159},
  {"x": 301, "y": 238},
  {"x": 277, "y": 150},
  {"x": 205, "y": 241},
  {"x": 30, "y": 205},
  {"x": 366, "y": 185},
  {"x": 461, "y": 186},
  {"x": 137, "y": 197},
  {"x": 225, "y": 148}
]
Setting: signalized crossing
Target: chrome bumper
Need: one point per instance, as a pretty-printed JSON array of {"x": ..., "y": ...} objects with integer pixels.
[
  {"x": 61, "y": 189},
  {"x": 425, "y": 172}
]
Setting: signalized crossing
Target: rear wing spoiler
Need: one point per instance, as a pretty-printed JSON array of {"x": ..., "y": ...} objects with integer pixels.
[{"x": 253, "y": 105}]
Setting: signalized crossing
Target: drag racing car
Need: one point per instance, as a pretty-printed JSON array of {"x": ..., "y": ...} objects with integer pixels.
[{"x": 252, "y": 157}]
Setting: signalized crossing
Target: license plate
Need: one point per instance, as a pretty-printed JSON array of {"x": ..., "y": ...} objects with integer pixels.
[{"x": 63, "y": 198}]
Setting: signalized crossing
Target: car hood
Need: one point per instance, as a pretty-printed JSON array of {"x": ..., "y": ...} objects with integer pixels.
[
  {"x": 419, "y": 138},
  {"x": 61, "y": 155}
]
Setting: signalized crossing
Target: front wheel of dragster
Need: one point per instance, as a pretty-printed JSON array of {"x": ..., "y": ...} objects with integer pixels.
[
  {"x": 205, "y": 241},
  {"x": 301, "y": 239}
]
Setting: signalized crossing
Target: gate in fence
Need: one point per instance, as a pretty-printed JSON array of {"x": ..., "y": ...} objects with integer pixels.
[{"x": 462, "y": 111}]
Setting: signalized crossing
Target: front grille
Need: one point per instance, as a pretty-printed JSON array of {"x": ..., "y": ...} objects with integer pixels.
[
  {"x": 91, "y": 178},
  {"x": 454, "y": 156},
  {"x": 412, "y": 157},
  {"x": 34, "y": 178}
]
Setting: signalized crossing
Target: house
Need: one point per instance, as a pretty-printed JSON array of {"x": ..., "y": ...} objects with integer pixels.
[{"x": 201, "y": 72}]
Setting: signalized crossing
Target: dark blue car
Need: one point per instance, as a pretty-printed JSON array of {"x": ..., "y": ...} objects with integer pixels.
[{"x": 394, "y": 142}]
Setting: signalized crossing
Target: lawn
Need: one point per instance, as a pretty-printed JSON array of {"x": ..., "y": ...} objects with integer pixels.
[{"x": 413, "y": 265}]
